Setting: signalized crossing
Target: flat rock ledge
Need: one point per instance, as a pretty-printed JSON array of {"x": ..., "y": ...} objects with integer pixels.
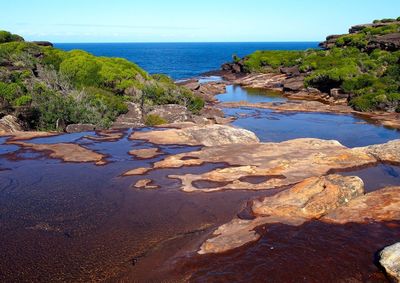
[
  {"x": 390, "y": 260},
  {"x": 209, "y": 135}
]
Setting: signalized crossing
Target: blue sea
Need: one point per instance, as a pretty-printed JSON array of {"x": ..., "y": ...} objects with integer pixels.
[{"x": 182, "y": 60}]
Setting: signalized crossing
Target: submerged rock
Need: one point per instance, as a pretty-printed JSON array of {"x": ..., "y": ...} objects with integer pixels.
[
  {"x": 390, "y": 260},
  {"x": 145, "y": 153}
]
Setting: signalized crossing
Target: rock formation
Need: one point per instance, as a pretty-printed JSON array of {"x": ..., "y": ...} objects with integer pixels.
[{"x": 390, "y": 260}]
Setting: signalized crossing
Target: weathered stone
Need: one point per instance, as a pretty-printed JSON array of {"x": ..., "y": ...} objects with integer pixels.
[
  {"x": 132, "y": 119},
  {"x": 210, "y": 135},
  {"x": 390, "y": 260},
  {"x": 290, "y": 71},
  {"x": 10, "y": 124},
  {"x": 280, "y": 164},
  {"x": 388, "y": 152},
  {"x": 145, "y": 153},
  {"x": 338, "y": 94},
  {"x": 76, "y": 128},
  {"x": 294, "y": 84},
  {"x": 211, "y": 112},
  {"x": 267, "y": 81},
  {"x": 145, "y": 184},
  {"x": 381, "y": 205},
  {"x": 172, "y": 113},
  {"x": 310, "y": 199},
  {"x": 137, "y": 171}
]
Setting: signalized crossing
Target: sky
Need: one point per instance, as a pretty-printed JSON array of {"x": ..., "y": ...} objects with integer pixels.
[{"x": 188, "y": 21}]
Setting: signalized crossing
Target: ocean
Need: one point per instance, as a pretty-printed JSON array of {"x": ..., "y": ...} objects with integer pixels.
[{"x": 182, "y": 60}]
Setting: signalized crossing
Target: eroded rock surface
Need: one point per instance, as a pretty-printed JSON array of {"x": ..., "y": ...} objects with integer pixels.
[
  {"x": 381, "y": 205},
  {"x": 210, "y": 135},
  {"x": 390, "y": 260},
  {"x": 10, "y": 124},
  {"x": 388, "y": 152},
  {"x": 133, "y": 118},
  {"x": 307, "y": 200},
  {"x": 145, "y": 153}
]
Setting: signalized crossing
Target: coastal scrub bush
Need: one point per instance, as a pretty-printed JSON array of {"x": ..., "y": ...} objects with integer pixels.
[
  {"x": 6, "y": 36},
  {"x": 81, "y": 70}
]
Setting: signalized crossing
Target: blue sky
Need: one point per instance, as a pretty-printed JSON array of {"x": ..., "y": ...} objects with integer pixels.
[{"x": 188, "y": 21}]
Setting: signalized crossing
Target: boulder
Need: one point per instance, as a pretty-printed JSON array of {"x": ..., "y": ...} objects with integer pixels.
[
  {"x": 10, "y": 123},
  {"x": 310, "y": 199},
  {"x": 76, "y": 128},
  {"x": 132, "y": 119},
  {"x": 387, "y": 152},
  {"x": 211, "y": 112},
  {"x": 380, "y": 205},
  {"x": 390, "y": 260},
  {"x": 290, "y": 71},
  {"x": 172, "y": 113},
  {"x": 294, "y": 84},
  {"x": 389, "y": 42}
]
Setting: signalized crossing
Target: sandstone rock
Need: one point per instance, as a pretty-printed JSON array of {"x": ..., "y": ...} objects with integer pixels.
[
  {"x": 145, "y": 153},
  {"x": 358, "y": 28},
  {"x": 171, "y": 112},
  {"x": 67, "y": 152},
  {"x": 132, "y": 119},
  {"x": 210, "y": 112},
  {"x": 389, "y": 42},
  {"x": 272, "y": 165},
  {"x": 266, "y": 81},
  {"x": 76, "y": 128},
  {"x": 390, "y": 260},
  {"x": 294, "y": 84},
  {"x": 290, "y": 71},
  {"x": 310, "y": 199},
  {"x": 338, "y": 94},
  {"x": 388, "y": 152},
  {"x": 10, "y": 124},
  {"x": 106, "y": 136},
  {"x": 381, "y": 205},
  {"x": 145, "y": 184},
  {"x": 136, "y": 171},
  {"x": 210, "y": 135}
]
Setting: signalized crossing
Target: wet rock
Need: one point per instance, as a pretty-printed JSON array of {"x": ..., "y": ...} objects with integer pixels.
[
  {"x": 310, "y": 199},
  {"x": 137, "y": 171},
  {"x": 67, "y": 152},
  {"x": 381, "y": 205},
  {"x": 20, "y": 136},
  {"x": 281, "y": 164},
  {"x": 106, "y": 136},
  {"x": 77, "y": 128},
  {"x": 209, "y": 135},
  {"x": 172, "y": 113},
  {"x": 132, "y": 119},
  {"x": 390, "y": 260},
  {"x": 145, "y": 153},
  {"x": 10, "y": 124},
  {"x": 145, "y": 184}
]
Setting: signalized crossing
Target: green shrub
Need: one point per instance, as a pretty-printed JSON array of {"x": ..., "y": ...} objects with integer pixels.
[
  {"x": 81, "y": 70},
  {"x": 10, "y": 91},
  {"x": 23, "y": 100},
  {"x": 154, "y": 120},
  {"x": 6, "y": 36}
]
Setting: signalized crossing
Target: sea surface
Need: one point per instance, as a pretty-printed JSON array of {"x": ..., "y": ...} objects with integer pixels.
[{"x": 182, "y": 60}]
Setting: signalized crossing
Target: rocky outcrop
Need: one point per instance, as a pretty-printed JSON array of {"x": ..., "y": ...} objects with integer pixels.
[
  {"x": 268, "y": 81},
  {"x": 77, "y": 128},
  {"x": 388, "y": 152},
  {"x": 132, "y": 119},
  {"x": 389, "y": 42},
  {"x": 294, "y": 84},
  {"x": 207, "y": 91},
  {"x": 145, "y": 184},
  {"x": 310, "y": 199},
  {"x": 358, "y": 28},
  {"x": 210, "y": 135},
  {"x": 10, "y": 124},
  {"x": 381, "y": 205},
  {"x": 43, "y": 43},
  {"x": 390, "y": 260},
  {"x": 172, "y": 113}
]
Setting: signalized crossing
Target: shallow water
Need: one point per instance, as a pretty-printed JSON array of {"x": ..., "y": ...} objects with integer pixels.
[{"x": 272, "y": 126}]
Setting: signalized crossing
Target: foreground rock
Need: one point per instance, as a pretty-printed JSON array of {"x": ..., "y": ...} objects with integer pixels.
[
  {"x": 390, "y": 260},
  {"x": 310, "y": 199},
  {"x": 210, "y": 135},
  {"x": 10, "y": 124},
  {"x": 380, "y": 205}
]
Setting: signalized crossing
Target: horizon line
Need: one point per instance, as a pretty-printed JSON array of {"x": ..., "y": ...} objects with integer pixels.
[{"x": 143, "y": 42}]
